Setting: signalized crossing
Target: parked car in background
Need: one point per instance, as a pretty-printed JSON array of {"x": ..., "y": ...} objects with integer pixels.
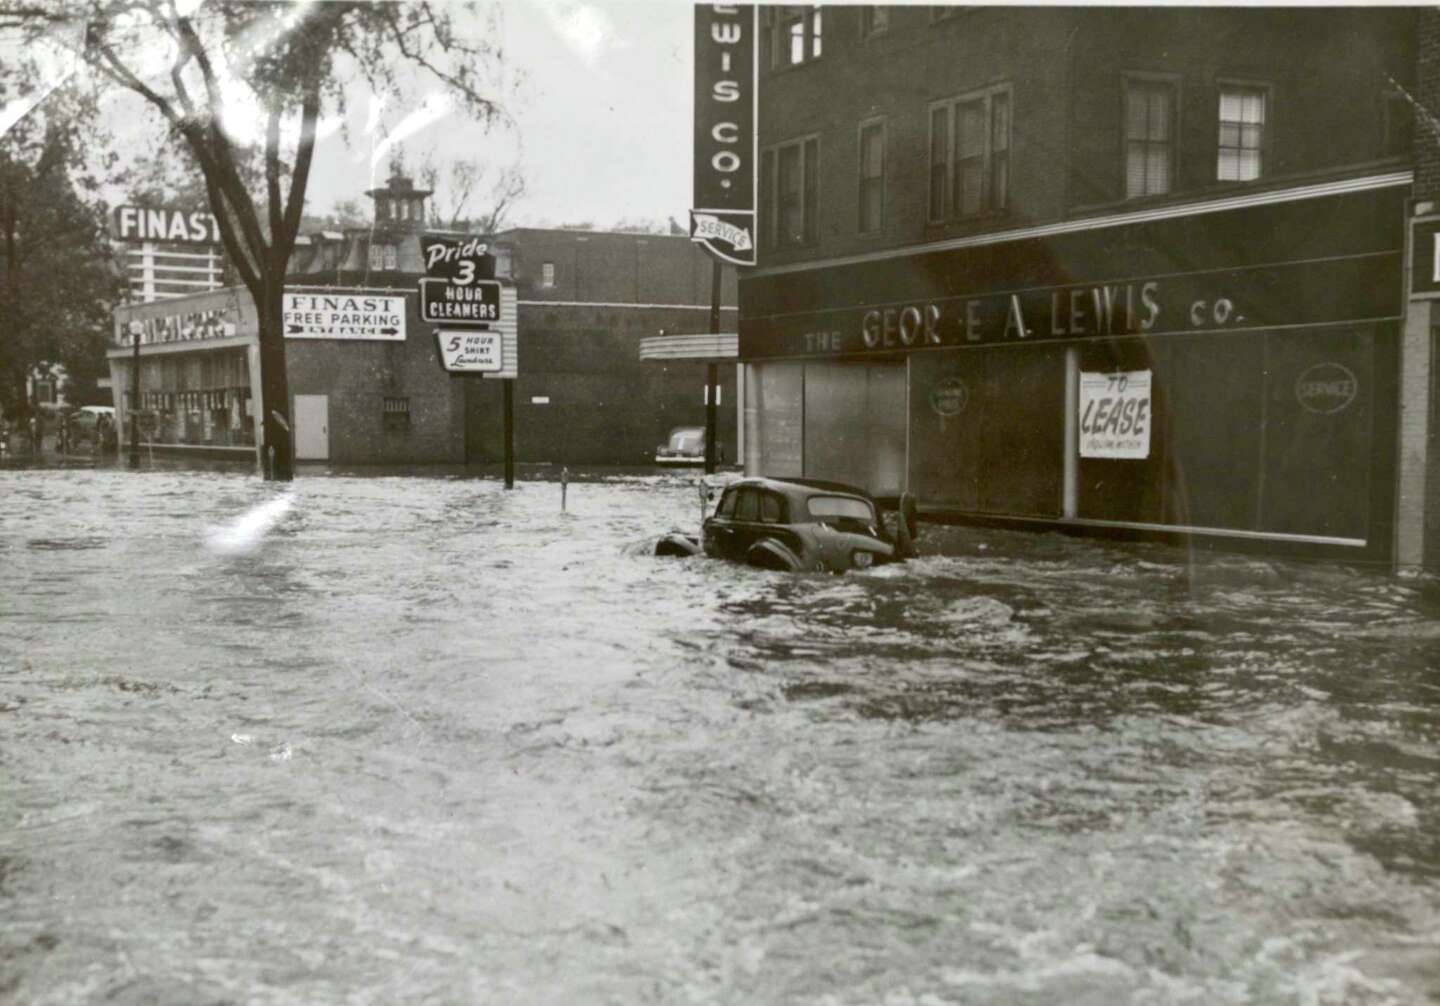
[
  {"x": 86, "y": 421},
  {"x": 686, "y": 446},
  {"x": 798, "y": 525}
]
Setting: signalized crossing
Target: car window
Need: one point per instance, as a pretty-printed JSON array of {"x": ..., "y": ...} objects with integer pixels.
[
  {"x": 747, "y": 507},
  {"x": 772, "y": 508},
  {"x": 727, "y": 504},
  {"x": 687, "y": 440},
  {"x": 841, "y": 507}
]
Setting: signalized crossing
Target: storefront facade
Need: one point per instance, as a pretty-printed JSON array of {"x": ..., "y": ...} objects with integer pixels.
[
  {"x": 198, "y": 360},
  {"x": 1222, "y": 370}
]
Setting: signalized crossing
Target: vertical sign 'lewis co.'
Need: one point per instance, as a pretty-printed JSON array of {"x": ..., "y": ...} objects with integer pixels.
[{"x": 723, "y": 218}]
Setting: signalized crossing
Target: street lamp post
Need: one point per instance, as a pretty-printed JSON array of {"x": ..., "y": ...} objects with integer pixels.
[{"x": 135, "y": 401}]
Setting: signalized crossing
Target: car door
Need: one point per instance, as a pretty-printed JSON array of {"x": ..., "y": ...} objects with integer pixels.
[
  {"x": 775, "y": 522},
  {"x": 719, "y": 530},
  {"x": 746, "y": 527}
]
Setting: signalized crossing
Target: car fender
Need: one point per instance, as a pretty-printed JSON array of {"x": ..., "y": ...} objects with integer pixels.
[
  {"x": 770, "y": 554},
  {"x": 677, "y": 544}
]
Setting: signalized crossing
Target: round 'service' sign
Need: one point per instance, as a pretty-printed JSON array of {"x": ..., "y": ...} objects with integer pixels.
[
  {"x": 1326, "y": 388},
  {"x": 949, "y": 397}
]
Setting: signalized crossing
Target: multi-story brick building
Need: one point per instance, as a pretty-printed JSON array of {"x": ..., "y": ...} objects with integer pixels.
[
  {"x": 583, "y": 395},
  {"x": 1131, "y": 271}
]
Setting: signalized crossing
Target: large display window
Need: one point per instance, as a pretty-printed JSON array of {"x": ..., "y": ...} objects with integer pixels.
[
  {"x": 855, "y": 424},
  {"x": 988, "y": 429},
  {"x": 1268, "y": 432},
  {"x": 833, "y": 420},
  {"x": 1320, "y": 408},
  {"x": 775, "y": 419}
]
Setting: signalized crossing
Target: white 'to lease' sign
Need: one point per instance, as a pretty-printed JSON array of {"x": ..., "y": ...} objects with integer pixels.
[
  {"x": 350, "y": 315},
  {"x": 471, "y": 352},
  {"x": 1115, "y": 414}
]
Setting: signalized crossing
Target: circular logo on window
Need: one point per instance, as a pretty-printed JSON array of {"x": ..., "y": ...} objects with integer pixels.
[
  {"x": 949, "y": 397},
  {"x": 1326, "y": 388}
]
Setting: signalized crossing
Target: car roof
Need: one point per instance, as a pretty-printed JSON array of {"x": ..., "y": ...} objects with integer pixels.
[{"x": 802, "y": 486}]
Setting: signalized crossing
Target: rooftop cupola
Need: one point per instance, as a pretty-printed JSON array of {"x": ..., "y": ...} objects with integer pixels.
[{"x": 400, "y": 205}]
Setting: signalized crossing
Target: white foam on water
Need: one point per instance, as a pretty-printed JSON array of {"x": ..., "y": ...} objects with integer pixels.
[{"x": 245, "y": 533}]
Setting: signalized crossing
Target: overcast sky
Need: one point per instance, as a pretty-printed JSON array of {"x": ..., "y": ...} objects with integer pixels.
[
  {"x": 600, "y": 98},
  {"x": 597, "y": 97}
]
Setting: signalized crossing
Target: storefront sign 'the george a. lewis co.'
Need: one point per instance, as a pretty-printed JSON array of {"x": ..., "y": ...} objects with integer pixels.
[{"x": 723, "y": 215}]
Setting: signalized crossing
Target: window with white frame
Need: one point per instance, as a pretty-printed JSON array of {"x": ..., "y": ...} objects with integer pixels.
[
  {"x": 1149, "y": 136},
  {"x": 872, "y": 177},
  {"x": 970, "y": 154},
  {"x": 790, "y": 35},
  {"x": 789, "y": 193},
  {"x": 547, "y": 274},
  {"x": 1242, "y": 133},
  {"x": 383, "y": 256}
]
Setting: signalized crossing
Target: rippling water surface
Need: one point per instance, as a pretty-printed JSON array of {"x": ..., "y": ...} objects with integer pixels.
[{"x": 405, "y": 739}]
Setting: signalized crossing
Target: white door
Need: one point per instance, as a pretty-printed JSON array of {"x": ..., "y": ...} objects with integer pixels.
[{"x": 312, "y": 427}]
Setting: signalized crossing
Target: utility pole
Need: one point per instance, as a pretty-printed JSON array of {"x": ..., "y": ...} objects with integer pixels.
[
  {"x": 509, "y": 432},
  {"x": 712, "y": 390}
]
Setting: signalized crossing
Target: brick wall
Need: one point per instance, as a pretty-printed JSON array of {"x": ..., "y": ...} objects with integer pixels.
[
  {"x": 1427, "y": 92},
  {"x": 1417, "y": 438},
  {"x": 1326, "y": 69},
  {"x": 357, "y": 376},
  {"x": 603, "y": 267},
  {"x": 605, "y": 406}
]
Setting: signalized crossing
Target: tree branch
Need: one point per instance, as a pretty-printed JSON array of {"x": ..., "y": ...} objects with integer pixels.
[
  {"x": 300, "y": 176},
  {"x": 272, "y": 173}
]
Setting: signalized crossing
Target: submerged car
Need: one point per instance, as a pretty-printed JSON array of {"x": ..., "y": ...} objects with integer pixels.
[
  {"x": 797, "y": 524},
  {"x": 686, "y": 446}
]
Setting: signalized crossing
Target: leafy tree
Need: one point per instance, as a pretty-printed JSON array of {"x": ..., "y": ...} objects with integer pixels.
[
  {"x": 227, "y": 65},
  {"x": 58, "y": 278}
]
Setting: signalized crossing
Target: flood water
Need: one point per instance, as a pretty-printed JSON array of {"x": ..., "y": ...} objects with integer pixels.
[{"x": 383, "y": 739}]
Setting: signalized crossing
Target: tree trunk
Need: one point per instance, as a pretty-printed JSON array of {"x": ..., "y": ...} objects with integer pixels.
[{"x": 274, "y": 383}]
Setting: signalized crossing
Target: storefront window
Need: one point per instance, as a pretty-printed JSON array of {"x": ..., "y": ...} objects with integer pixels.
[
  {"x": 774, "y": 419},
  {"x": 988, "y": 429},
  {"x": 1320, "y": 407},
  {"x": 855, "y": 424}
]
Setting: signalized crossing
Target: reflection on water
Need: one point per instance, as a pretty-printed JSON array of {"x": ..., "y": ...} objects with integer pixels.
[{"x": 383, "y": 738}]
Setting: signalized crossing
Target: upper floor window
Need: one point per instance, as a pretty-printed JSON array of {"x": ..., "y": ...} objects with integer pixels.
[
  {"x": 383, "y": 256},
  {"x": 872, "y": 177},
  {"x": 547, "y": 274},
  {"x": 873, "y": 20},
  {"x": 1242, "y": 133},
  {"x": 790, "y": 35},
  {"x": 1149, "y": 136},
  {"x": 789, "y": 193},
  {"x": 970, "y": 154}
]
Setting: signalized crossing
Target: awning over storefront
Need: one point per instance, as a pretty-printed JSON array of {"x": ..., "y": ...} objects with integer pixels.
[{"x": 720, "y": 347}]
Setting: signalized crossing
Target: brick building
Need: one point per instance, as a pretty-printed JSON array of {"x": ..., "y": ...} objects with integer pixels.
[
  {"x": 1133, "y": 271},
  {"x": 582, "y": 396}
]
